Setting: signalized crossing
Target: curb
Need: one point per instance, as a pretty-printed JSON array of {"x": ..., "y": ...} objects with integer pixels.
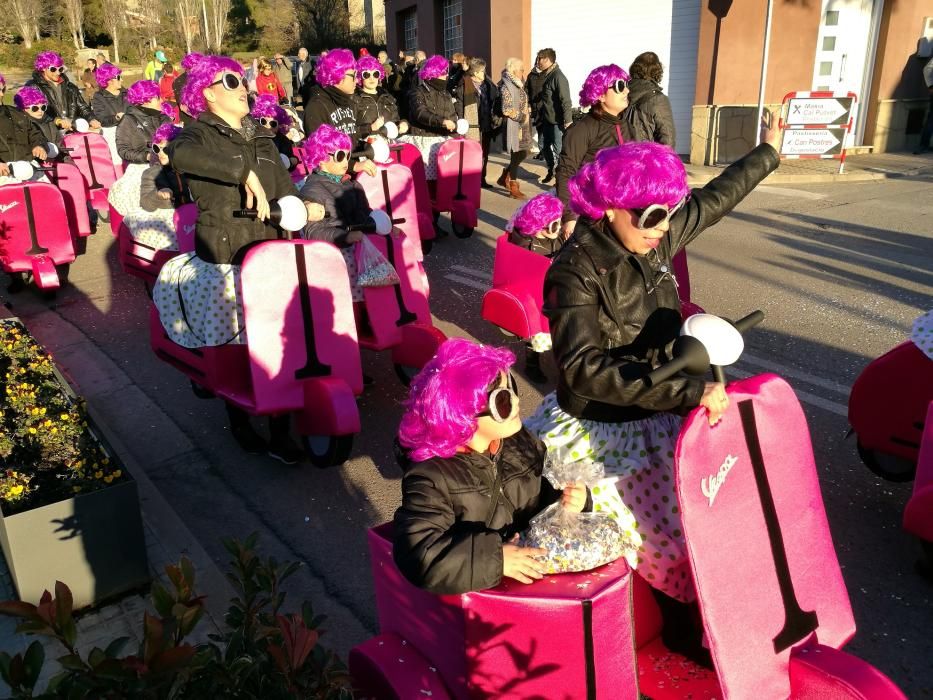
[{"x": 778, "y": 178}]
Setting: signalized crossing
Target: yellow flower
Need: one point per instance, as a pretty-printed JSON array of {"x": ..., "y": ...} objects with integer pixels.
[
  {"x": 32, "y": 431},
  {"x": 98, "y": 474},
  {"x": 16, "y": 490},
  {"x": 117, "y": 474},
  {"x": 108, "y": 479},
  {"x": 76, "y": 489},
  {"x": 64, "y": 416}
]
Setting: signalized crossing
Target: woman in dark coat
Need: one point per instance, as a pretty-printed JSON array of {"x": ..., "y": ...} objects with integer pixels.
[
  {"x": 432, "y": 114},
  {"x": 477, "y": 96},
  {"x": 649, "y": 114},
  {"x": 230, "y": 163},
  {"x": 516, "y": 136},
  {"x": 374, "y": 104}
]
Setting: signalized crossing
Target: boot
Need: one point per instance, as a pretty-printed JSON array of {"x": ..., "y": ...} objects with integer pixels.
[
  {"x": 515, "y": 191},
  {"x": 533, "y": 367},
  {"x": 548, "y": 176},
  {"x": 504, "y": 178}
]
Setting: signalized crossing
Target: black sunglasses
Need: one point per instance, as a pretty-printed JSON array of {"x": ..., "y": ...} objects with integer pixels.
[
  {"x": 38, "y": 108},
  {"x": 56, "y": 69},
  {"x": 502, "y": 401},
  {"x": 620, "y": 85},
  {"x": 269, "y": 122},
  {"x": 656, "y": 214},
  {"x": 156, "y": 148},
  {"x": 367, "y": 74},
  {"x": 340, "y": 155},
  {"x": 230, "y": 81}
]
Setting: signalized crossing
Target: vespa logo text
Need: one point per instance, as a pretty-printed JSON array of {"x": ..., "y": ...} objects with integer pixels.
[
  {"x": 711, "y": 486},
  {"x": 4, "y": 208}
]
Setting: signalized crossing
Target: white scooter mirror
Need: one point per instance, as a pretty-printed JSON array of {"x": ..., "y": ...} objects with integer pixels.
[
  {"x": 381, "y": 153},
  {"x": 383, "y": 222},
  {"x": 293, "y": 214},
  {"x": 391, "y": 130},
  {"x": 81, "y": 125},
  {"x": 463, "y": 126},
  {"x": 285, "y": 161},
  {"x": 723, "y": 343},
  {"x": 51, "y": 150},
  {"x": 22, "y": 170}
]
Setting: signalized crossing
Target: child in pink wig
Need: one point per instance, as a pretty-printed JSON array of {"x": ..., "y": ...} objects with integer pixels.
[
  {"x": 20, "y": 137},
  {"x": 464, "y": 433},
  {"x": 109, "y": 103},
  {"x": 611, "y": 299},
  {"x": 374, "y": 105},
  {"x": 605, "y": 92},
  {"x": 536, "y": 226},
  {"x": 65, "y": 100},
  {"x": 266, "y": 111},
  {"x": 143, "y": 116},
  {"x": 32, "y": 102},
  {"x": 432, "y": 114}
]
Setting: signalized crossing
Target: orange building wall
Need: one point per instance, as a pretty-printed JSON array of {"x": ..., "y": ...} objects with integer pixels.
[
  {"x": 731, "y": 73},
  {"x": 898, "y": 72},
  {"x": 510, "y": 34}
]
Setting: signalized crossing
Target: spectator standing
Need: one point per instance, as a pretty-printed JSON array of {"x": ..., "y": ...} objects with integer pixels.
[
  {"x": 459, "y": 64},
  {"x": 387, "y": 66},
  {"x": 515, "y": 136},
  {"x": 928, "y": 129},
  {"x": 304, "y": 75},
  {"x": 649, "y": 114},
  {"x": 267, "y": 83},
  {"x": 154, "y": 68},
  {"x": 533, "y": 87},
  {"x": 478, "y": 95},
  {"x": 555, "y": 110},
  {"x": 88, "y": 80},
  {"x": 282, "y": 67},
  {"x": 167, "y": 83}
]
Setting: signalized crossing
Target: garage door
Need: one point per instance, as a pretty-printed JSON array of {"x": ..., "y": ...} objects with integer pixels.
[{"x": 589, "y": 33}]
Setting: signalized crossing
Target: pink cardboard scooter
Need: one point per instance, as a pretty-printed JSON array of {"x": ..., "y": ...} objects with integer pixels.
[
  {"x": 75, "y": 193},
  {"x": 301, "y": 356},
  {"x": 918, "y": 515},
  {"x": 34, "y": 234},
  {"x": 144, "y": 261},
  {"x": 459, "y": 181},
  {"x": 771, "y": 593},
  {"x": 407, "y": 154},
  {"x": 91, "y": 154}
]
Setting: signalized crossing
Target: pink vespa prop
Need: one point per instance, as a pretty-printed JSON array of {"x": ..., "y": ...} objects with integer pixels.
[
  {"x": 75, "y": 195},
  {"x": 407, "y": 154},
  {"x": 91, "y": 154},
  {"x": 145, "y": 262},
  {"x": 392, "y": 191},
  {"x": 459, "y": 181},
  {"x": 918, "y": 516},
  {"x": 301, "y": 355},
  {"x": 34, "y": 232}
]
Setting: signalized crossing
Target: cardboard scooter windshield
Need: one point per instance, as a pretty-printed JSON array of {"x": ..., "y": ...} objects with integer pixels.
[
  {"x": 393, "y": 191},
  {"x": 34, "y": 227},
  {"x": 91, "y": 154},
  {"x": 514, "y": 303},
  {"x": 759, "y": 543},
  {"x": 299, "y": 321},
  {"x": 408, "y": 155},
  {"x": 75, "y": 194}
]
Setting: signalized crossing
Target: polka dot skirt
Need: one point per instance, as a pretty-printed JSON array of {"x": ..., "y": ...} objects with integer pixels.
[
  {"x": 922, "y": 334},
  {"x": 200, "y": 303},
  {"x": 124, "y": 193},
  {"x": 428, "y": 145},
  {"x": 638, "y": 491},
  {"x": 155, "y": 229}
]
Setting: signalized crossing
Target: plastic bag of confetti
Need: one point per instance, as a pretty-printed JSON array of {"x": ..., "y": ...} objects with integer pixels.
[
  {"x": 373, "y": 270},
  {"x": 574, "y": 541}
]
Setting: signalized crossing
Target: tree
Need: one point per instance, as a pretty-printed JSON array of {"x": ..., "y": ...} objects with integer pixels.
[
  {"x": 73, "y": 14},
  {"x": 277, "y": 21},
  {"x": 186, "y": 17},
  {"x": 18, "y": 13},
  {"x": 325, "y": 23},
  {"x": 215, "y": 22}
]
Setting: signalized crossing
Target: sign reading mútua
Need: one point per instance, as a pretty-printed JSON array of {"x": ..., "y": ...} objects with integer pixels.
[{"x": 816, "y": 124}]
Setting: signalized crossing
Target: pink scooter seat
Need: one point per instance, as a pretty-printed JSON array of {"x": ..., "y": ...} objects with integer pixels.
[
  {"x": 759, "y": 543},
  {"x": 91, "y": 154},
  {"x": 566, "y": 636},
  {"x": 918, "y": 516},
  {"x": 514, "y": 303},
  {"x": 35, "y": 233},
  {"x": 144, "y": 261}
]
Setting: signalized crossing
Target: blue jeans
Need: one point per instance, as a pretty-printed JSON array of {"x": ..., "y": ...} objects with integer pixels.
[{"x": 553, "y": 142}]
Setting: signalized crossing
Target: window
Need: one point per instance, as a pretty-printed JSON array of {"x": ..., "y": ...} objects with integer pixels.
[
  {"x": 829, "y": 43},
  {"x": 826, "y": 67},
  {"x": 408, "y": 21},
  {"x": 453, "y": 27},
  {"x": 832, "y": 18}
]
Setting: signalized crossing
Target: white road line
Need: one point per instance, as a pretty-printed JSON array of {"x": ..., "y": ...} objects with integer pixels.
[
  {"x": 468, "y": 282},
  {"x": 796, "y": 374},
  {"x": 473, "y": 272},
  {"x": 789, "y": 192},
  {"x": 805, "y": 396}
]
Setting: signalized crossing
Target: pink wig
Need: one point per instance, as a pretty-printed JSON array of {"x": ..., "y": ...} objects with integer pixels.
[
  {"x": 2, "y": 80},
  {"x": 434, "y": 67},
  {"x": 170, "y": 111},
  {"x": 446, "y": 396},
  {"x": 598, "y": 82},
  {"x": 367, "y": 62},
  {"x": 535, "y": 214},
  {"x": 284, "y": 119},
  {"x": 47, "y": 59},
  {"x": 28, "y": 96},
  {"x": 324, "y": 141},
  {"x": 264, "y": 107},
  {"x": 334, "y": 66},
  {"x": 200, "y": 76},
  {"x": 190, "y": 60},
  {"x": 165, "y": 132},
  {"x": 142, "y": 91},
  {"x": 105, "y": 73},
  {"x": 634, "y": 175}
]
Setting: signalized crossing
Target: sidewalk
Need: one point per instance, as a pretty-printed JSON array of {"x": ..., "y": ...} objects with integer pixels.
[{"x": 167, "y": 537}]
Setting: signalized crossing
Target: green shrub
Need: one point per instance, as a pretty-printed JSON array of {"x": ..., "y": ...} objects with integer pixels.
[{"x": 18, "y": 56}]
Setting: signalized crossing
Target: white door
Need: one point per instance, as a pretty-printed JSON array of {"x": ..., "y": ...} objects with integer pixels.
[
  {"x": 844, "y": 50},
  {"x": 589, "y": 33}
]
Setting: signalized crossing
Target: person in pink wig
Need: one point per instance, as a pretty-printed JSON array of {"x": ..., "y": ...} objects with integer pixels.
[
  {"x": 31, "y": 101},
  {"x": 464, "y": 435},
  {"x": 432, "y": 114},
  {"x": 331, "y": 100},
  {"x": 109, "y": 103},
  {"x": 64, "y": 98},
  {"x": 373, "y": 103},
  {"x": 229, "y": 161},
  {"x": 611, "y": 298},
  {"x": 142, "y": 118},
  {"x": 20, "y": 137},
  {"x": 536, "y": 226},
  {"x": 605, "y": 93},
  {"x": 270, "y": 116}
]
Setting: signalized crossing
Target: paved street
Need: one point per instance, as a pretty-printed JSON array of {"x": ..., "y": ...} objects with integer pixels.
[{"x": 840, "y": 269}]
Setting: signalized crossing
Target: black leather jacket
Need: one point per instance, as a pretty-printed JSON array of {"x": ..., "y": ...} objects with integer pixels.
[
  {"x": 370, "y": 107},
  {"x": 429, "y": 105},
  {"x": 614, "y": 314},
  {"x": 134, "y": 133},
  {"x": 107, "y": 106},
  {"x": 71, "y": 105},
  {"x": 454, "y": 517},
  {"x": 19, "y": 134}
]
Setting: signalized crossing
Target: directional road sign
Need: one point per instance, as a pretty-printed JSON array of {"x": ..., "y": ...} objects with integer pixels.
[
  {"x": 813, "y": 142},
  {"x": 819, "y": 111}
]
